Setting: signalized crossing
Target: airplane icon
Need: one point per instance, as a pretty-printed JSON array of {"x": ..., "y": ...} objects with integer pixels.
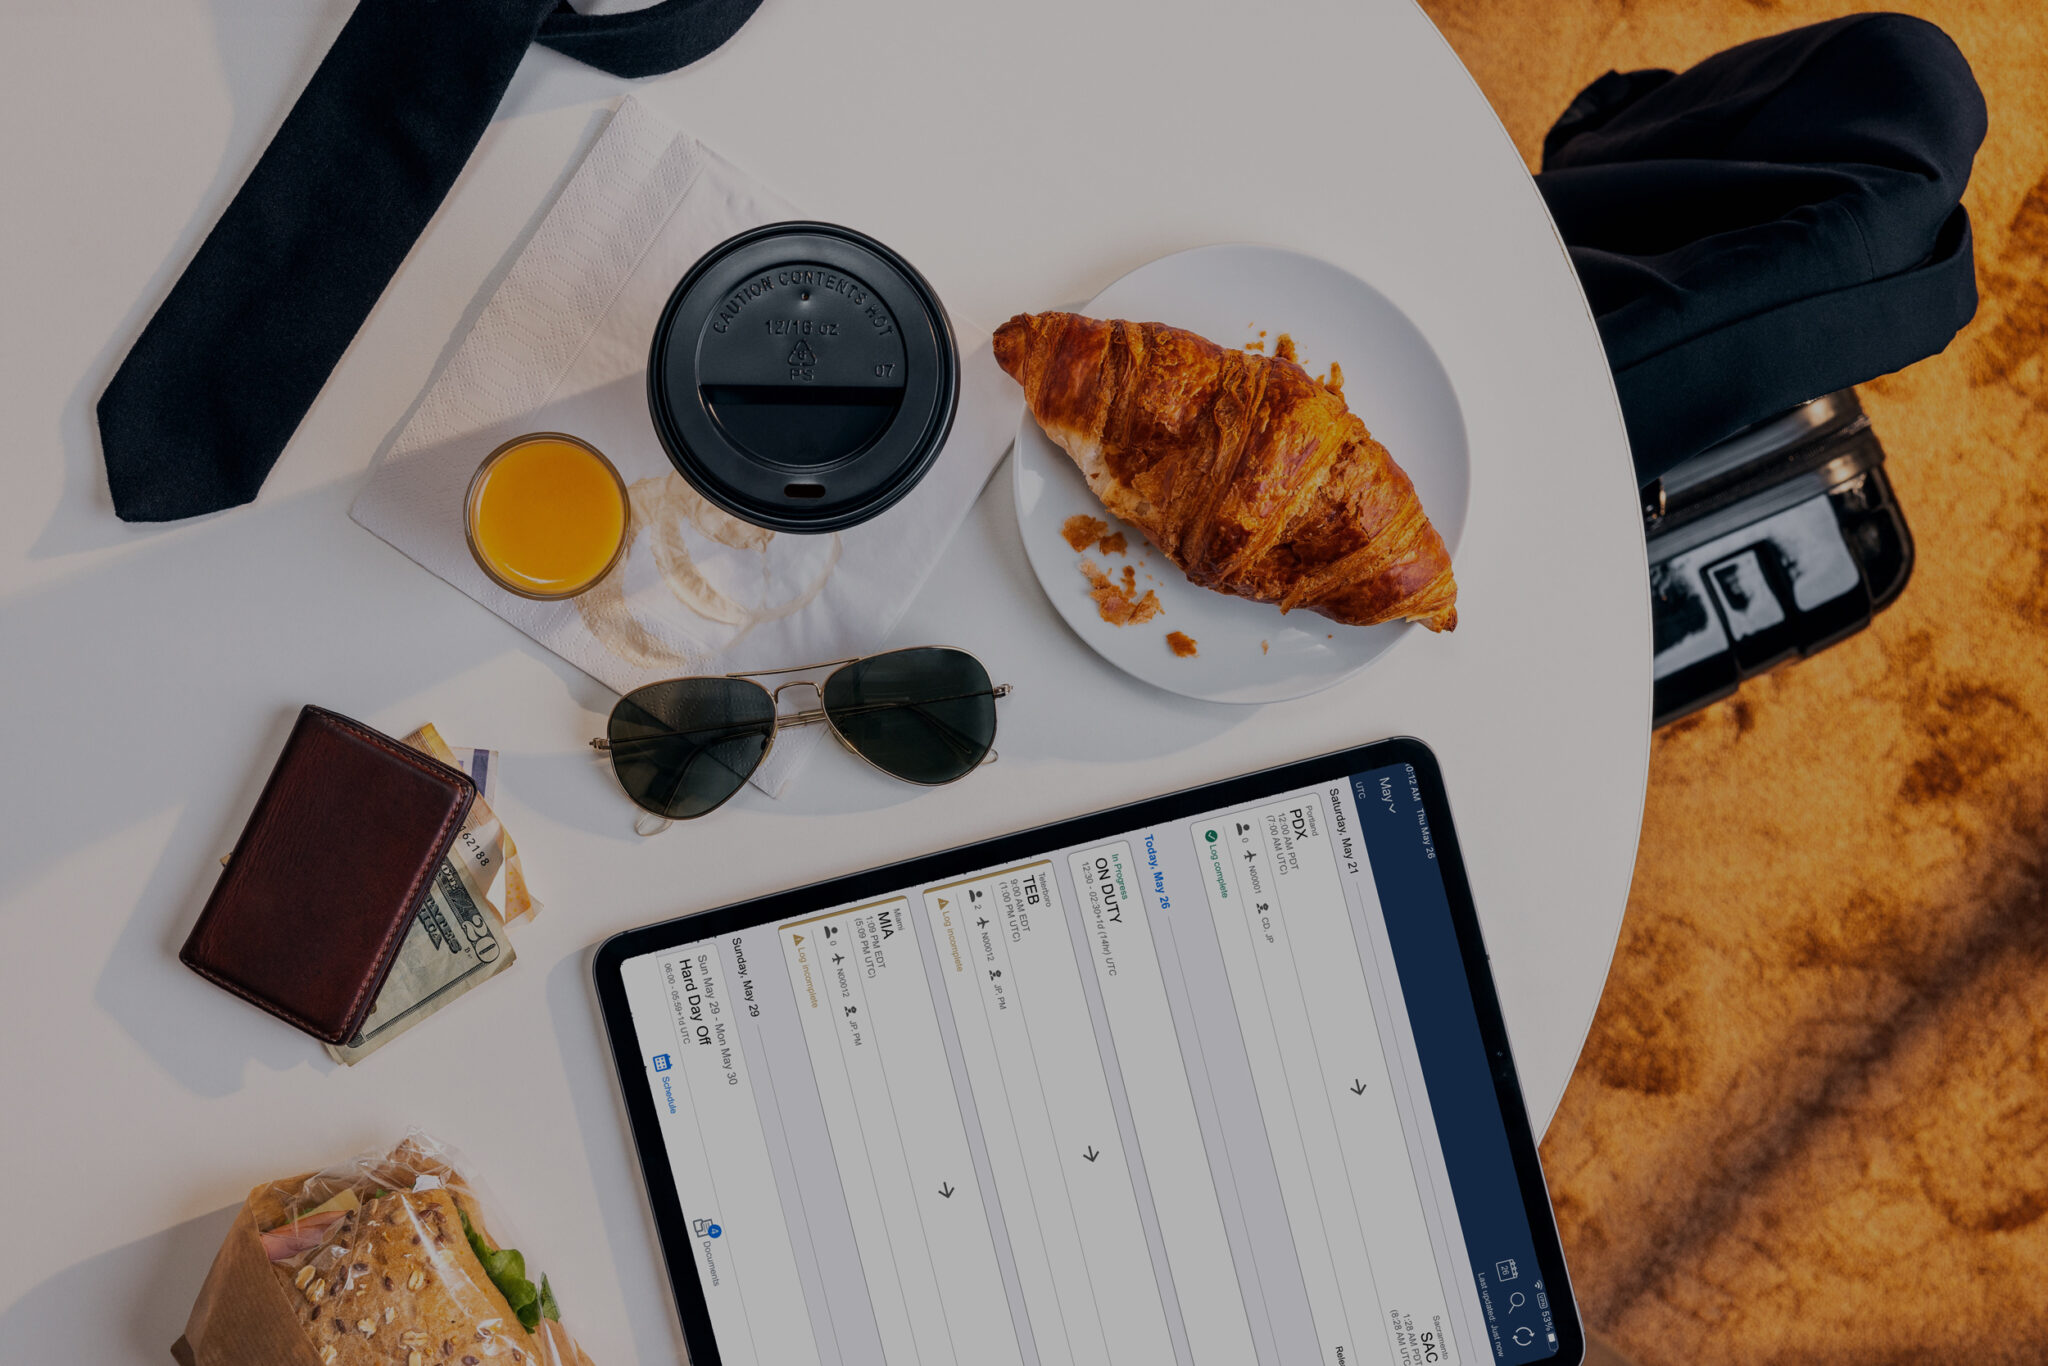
[
  {"x": 982, "y": 923},
  {"x": 839, "y": 958},
  {"x": 1250, "y": 857}
]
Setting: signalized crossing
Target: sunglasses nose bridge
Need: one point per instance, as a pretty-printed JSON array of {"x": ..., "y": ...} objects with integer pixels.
[{"x": 802, "y": 716}]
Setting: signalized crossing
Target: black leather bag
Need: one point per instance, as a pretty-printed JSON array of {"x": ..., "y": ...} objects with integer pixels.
[{"x": 1768, "y": 547}]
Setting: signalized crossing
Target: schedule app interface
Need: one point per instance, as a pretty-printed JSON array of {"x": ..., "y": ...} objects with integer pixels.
[{"x": 1210, "y": 1092}]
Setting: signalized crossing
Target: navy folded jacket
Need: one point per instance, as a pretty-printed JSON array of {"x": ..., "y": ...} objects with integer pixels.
[{"x": 1778, "y": 222}]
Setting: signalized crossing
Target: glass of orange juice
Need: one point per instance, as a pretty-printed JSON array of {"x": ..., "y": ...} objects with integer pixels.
[{"x": 546, "y": 516}]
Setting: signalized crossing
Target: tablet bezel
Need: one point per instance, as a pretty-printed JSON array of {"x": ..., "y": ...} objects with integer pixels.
[{"x": 671, "y": 1223}]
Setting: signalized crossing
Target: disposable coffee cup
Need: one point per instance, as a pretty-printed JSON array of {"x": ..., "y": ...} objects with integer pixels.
[{"x": 803, "y": 377}]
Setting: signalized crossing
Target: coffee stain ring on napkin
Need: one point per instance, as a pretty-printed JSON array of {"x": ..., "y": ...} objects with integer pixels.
[{"x": 787, "y": 573}]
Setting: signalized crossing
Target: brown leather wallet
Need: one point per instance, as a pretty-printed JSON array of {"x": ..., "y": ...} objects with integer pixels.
[{"x": 343, "y": 845}]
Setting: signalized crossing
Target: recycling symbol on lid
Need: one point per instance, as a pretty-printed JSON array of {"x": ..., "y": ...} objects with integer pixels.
[{"x": 803, "y": 355}]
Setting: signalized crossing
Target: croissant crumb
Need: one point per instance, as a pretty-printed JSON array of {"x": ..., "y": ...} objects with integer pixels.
[
  {"x": 1181, "y": 643},
  {"x": 1119, "y": 604},
  {"x": 1081, "y": 531}
]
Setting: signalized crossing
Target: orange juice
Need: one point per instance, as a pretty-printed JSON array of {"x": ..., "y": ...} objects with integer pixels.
[{"x": 546, "y": 515}]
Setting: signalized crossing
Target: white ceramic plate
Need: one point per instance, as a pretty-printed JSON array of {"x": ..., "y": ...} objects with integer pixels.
[{"x": 1249, "y": 651}]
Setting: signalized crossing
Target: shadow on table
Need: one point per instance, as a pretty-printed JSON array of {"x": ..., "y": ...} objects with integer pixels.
[
  {"x": 1058, "y": 676},
  {"x": 252, "y": 35},
  {"x": 117, "y": 720},
  {"x": 125, "y": 1304},
  {"x": 983, "y": 597},
  {"x": 99, "y": 722},
  {"x": 622, "y": 1207},
  {"x": 202, "y": 1036}
]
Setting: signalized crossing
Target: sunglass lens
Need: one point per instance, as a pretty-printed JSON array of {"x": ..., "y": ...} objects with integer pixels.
[
  {"x": 925, "y": 715},
  {"x": 681, "y": 748}
]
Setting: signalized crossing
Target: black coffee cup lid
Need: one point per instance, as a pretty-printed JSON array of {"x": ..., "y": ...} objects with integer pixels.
[{"x": 803, "y": 377}]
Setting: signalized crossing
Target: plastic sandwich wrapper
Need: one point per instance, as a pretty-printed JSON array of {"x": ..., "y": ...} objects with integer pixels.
[{"x": 386, "y": 1259}]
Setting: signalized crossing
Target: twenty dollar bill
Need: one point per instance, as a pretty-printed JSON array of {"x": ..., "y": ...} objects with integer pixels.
[
  {"x": 457, "y": 940},
  {"x": 452, "y": 945}
]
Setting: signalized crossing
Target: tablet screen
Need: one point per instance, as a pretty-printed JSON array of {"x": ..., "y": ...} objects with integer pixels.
[{"x": 1214, "y": 1090}]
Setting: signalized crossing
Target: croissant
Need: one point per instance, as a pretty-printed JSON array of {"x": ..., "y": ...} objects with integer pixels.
[{"x": 1248, "y": 473}]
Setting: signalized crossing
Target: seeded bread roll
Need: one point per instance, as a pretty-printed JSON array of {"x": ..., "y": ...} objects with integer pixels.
[{"x": 395, "y": 1283}]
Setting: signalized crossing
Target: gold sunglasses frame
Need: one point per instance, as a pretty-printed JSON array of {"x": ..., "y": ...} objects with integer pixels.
[{"x": 793, "y": 720}]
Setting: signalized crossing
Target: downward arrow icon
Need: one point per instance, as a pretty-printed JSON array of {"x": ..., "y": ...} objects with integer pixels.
[
  {"x": 946, "y": 1190},
  {"x": 1091, "y": 1154},
  {"x": 1357, "y": 1087}
]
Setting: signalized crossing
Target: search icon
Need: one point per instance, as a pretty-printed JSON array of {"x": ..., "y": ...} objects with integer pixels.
[{"x": 1516, "y": 1301}]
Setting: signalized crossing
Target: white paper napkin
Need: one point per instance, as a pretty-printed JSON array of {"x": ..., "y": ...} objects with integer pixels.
[{"x": 562, "y": 346}]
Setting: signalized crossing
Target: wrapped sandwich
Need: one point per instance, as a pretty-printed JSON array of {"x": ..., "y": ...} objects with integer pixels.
[{"x": 386, "y": 1260}]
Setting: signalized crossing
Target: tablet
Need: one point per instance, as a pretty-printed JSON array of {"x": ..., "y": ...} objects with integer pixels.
[{"x": 1218, "y": 1078}]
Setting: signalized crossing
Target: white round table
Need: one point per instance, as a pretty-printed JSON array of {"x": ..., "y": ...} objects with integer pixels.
[{"x": 1023, "y": 155}]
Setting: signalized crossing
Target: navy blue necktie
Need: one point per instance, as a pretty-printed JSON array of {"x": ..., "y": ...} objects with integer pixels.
[{"x": 215, "y": 386}]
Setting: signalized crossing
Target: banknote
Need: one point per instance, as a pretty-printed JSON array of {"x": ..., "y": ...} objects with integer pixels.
[
  {"x": 457, "y": 941},
  {"x": 452, "y": 946}
]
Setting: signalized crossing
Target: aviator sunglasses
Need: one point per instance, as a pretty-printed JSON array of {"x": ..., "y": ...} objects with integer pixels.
[{"x": 683, "y": 747}]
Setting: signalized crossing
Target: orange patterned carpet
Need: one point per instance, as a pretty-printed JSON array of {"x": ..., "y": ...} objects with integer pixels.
[{"x": 1811, "y": 1122}]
